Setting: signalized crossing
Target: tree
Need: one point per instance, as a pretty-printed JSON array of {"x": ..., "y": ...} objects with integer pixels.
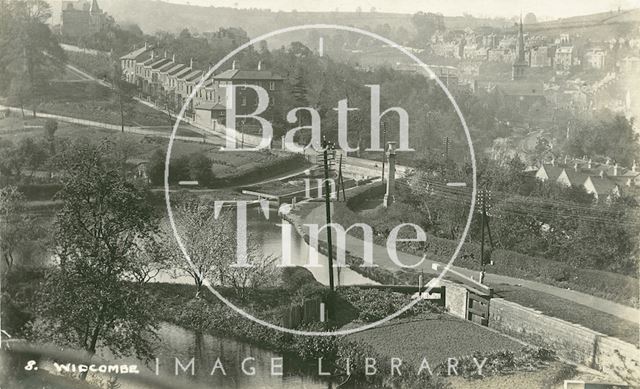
[
  {"x": 29, "y": 52},
  {"x": 17, "y": 227},
  {"x": 50, "y": 128},
  {"x": 123, "y": 95},
  {"x": 87, "y": 298},
  {"x": 211, "y": 245},
  {"x": 209, "y": 241},
  {"x": 530, "y": 18},
  {"x": 200, "y": 169}
]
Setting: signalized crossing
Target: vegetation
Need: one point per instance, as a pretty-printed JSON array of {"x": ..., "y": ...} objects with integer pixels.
[
  {"x": 29, "y": 52},
  {"x": 88, "y": 297}
]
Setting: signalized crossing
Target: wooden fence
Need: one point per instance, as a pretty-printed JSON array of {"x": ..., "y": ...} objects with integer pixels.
[{"x": 307, "y": 312}]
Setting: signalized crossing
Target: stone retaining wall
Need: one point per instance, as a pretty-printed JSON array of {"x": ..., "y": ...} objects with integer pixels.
[{"x": 618, "y": 359}]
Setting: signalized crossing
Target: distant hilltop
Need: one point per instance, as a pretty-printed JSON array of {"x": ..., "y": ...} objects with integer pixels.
[
  {"x": 152, "y": 15},
  {"x": 594, "y": 23}
]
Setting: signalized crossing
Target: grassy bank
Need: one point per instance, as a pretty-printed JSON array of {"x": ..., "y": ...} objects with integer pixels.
[
  {"x": 423, "y": 330},
  {"x": 404, "y": 338},
  {"x": 615, "y": 287}
]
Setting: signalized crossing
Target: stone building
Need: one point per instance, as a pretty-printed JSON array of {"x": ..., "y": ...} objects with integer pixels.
[{"x": 81, "y": 18}]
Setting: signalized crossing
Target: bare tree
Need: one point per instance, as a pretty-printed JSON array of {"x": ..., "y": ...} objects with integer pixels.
[
  {"x": 208, "y": 240},
  {"x": 211, "y": 244}
]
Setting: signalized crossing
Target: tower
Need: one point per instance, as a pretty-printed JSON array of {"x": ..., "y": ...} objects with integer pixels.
[{"x": 520, "y": 62}]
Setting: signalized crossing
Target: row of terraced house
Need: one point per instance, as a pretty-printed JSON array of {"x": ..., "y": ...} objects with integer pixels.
[
  {"x": 159, "y": 77},
  {"x": 605, "y": 181}
]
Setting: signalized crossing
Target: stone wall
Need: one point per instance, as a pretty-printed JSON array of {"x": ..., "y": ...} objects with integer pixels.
[
  {"x": 457, "y": 298},
  {"x": 618, "y": 359}
]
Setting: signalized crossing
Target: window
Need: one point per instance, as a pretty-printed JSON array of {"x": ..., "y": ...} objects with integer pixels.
[
  {"x": 244, "y": 101},
  {"x": 272, "y": 85}
]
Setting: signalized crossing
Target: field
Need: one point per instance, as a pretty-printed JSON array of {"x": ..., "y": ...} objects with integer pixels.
[{"x": 91, "y": 101}]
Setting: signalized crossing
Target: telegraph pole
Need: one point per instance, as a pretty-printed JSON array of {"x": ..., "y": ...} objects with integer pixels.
[
  {"x": 384, "y": 146},
  {"x": 445, "y": 141},
  {"x": 327, "y": 198},
  {"x": 341, "y": 182},
  {"x": 484, "y": 196},
  {"x": 242, "y": 130}
]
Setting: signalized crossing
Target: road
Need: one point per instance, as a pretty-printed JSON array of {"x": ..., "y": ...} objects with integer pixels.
[{"x": 356, "y": 247}]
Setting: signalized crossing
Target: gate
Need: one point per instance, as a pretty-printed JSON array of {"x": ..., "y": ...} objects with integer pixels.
[{"x": 478, "y": 308}]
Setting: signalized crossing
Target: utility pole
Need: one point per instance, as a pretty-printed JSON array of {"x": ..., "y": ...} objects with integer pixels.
[
  {"x": 484, "y": 197},
  {"x": 327, "y": 198},
  {"x": 384, "y": 146},
  {"x": 242, "y": 130},
  {"x": 341, "y": 182},
  {"x": 445, "y": 141}
]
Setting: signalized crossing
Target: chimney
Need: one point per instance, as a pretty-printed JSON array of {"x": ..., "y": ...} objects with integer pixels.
[
  {"x": 553, "y": 161},
  {"x": 565, "y": 159},
  {"x": 615, "y": 169},
  {"x": 575, "y": 166},
  {"x": 608, "y": 161},
  {"x": 174, "y": 58},
  {"x": 146, "y": 46},
  {"x": 601, "y": 174},
  {"x": 165, "y": 53},
  {"x": 191, "y": 63},
  {"x": 259, "y": 65},
  {"x": 233, "y": 65},
  {"x": 589, "y": 164},
  {"x": 153, "y": 54}
]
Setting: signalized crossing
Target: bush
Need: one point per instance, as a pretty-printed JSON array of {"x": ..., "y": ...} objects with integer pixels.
[
  {"x": 374, "y": 304},
  {"x": 37, "y": 192}
]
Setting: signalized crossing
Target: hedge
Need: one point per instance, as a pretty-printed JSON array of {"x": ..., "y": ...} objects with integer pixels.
[{"x": 38, "y": 192}]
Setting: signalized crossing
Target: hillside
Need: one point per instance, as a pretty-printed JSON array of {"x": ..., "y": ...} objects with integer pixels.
[
  {"x": 154, "y": 15},
  {"x": 604, "y": 24}
]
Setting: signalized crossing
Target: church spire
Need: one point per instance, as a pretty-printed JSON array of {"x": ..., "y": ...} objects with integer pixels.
[
  {"x": 520, "y": 43},
  {"x": 95, "y": 9},
  {"x": 519, "y": 62}
]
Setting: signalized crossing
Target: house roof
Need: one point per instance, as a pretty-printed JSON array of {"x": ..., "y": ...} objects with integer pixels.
[
  {"x": 211, "y": 106},
  {"x": 194, "y": 75},
  {"x": 553, "y": 172},
  {"x": 630, "y": 173},
  {"x": 520, "y": 88},
  {"x": 602, "y": 185},
  {"x": 576, "y": 178},
  {"x": 136, "y": 53},
  {"x": 182, "y": 73},
  {"x": 176, "y": 69},
  {"x": 237, "y": 74},
  {"x": 159, "y": 63},
  {"x": 148, "y": 62},
  {"x": 166, "y": 66},
  {"x": 565, "y": 50}
]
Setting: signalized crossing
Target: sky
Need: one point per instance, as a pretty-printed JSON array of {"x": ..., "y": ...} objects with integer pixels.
[{"x": 544, "y": 9}]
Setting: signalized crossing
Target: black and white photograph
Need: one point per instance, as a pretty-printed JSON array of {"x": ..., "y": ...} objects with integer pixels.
[{"x": 280, "y": 194}]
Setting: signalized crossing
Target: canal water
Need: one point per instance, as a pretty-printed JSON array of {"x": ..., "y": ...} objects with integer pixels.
[
  {"x": 269, "y": 237},
  {"x": 178, "y": 343}
]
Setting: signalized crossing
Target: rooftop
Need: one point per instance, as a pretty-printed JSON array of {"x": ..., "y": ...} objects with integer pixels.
[
  {"x": 520, "y": 88},
  {"x": 237, "y": 74},
  {"x": 211, "y": 106},
  {"x": 135, "y": 54}
]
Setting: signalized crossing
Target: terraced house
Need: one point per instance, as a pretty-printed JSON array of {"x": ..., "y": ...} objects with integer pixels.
[{"x": 163, "y": 80}]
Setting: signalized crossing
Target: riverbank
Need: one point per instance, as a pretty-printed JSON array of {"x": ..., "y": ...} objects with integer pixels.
[{"x": 450, "y": 338}]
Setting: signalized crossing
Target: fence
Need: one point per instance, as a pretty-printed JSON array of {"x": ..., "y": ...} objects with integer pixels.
[{"x": 307, "y": 312}]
